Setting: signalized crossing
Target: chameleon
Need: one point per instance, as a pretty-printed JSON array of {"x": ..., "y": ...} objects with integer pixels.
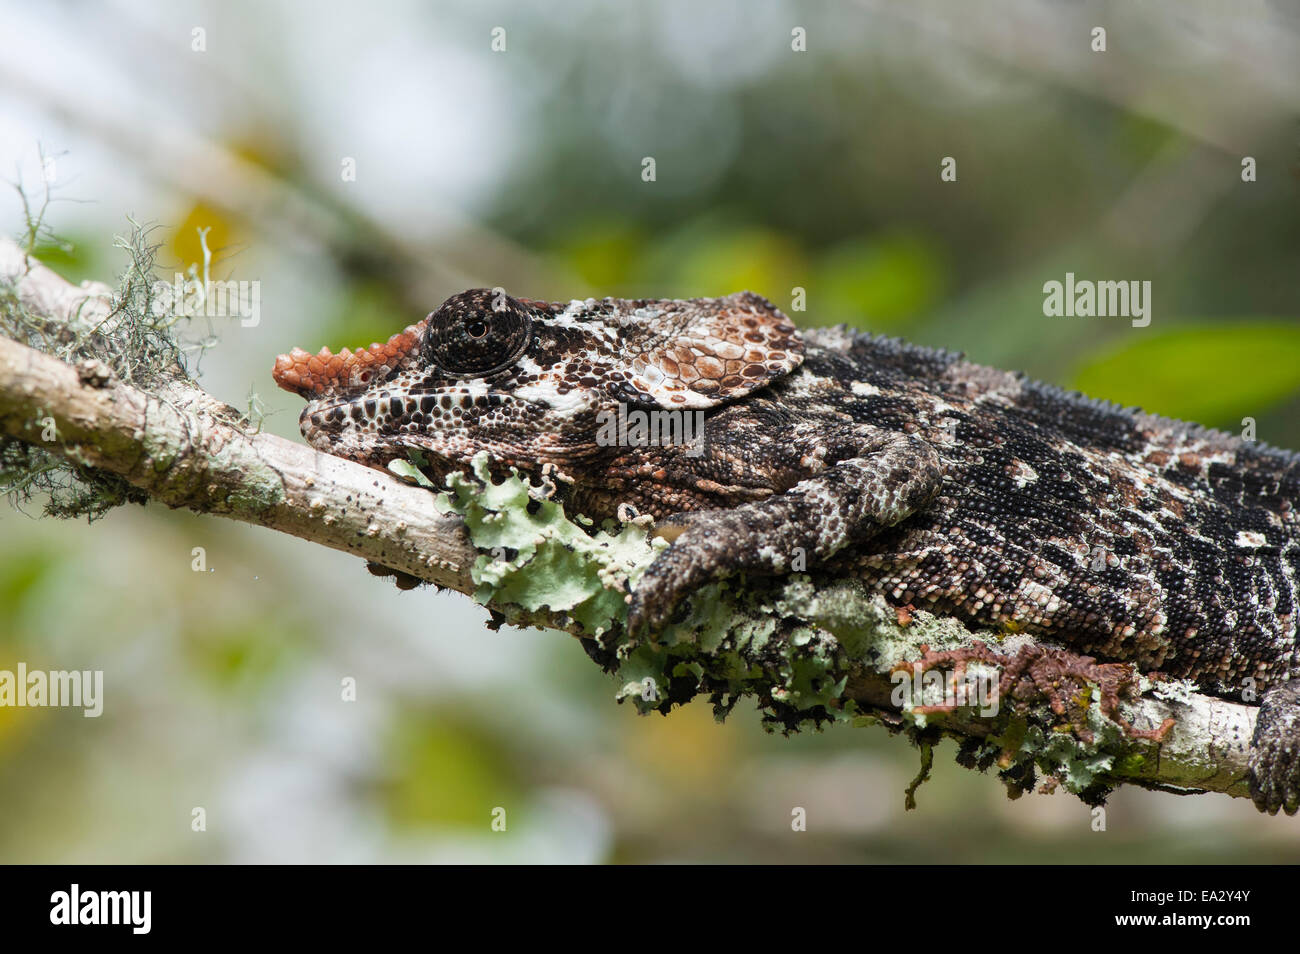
[{"x": 938, "y": 482}]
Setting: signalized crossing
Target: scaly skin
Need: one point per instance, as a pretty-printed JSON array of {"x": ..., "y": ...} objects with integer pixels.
[{"x": 941, "y": 483}]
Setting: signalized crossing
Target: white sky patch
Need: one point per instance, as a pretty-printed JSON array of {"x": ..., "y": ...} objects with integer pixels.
[{"x": 413, "y": 110}]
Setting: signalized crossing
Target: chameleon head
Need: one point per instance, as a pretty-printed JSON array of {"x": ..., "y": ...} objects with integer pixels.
[{"x": 530, "y": 382}]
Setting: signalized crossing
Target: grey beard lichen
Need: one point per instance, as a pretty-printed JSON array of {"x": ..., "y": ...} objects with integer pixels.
[
  {"x": 136, "y": 345},
  {"x": 800, "y": 647},
  {"x": 126, "y": 336}
]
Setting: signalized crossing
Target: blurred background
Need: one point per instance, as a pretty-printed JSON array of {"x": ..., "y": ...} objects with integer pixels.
[{"x": 521, "y": 166}]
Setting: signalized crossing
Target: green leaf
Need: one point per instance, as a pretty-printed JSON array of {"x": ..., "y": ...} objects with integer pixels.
[{"x": 1213, "y": 375}]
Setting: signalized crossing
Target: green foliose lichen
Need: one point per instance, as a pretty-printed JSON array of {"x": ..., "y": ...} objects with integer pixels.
[
  {"x": 533, "y": 557},
  {"x": 536, "y": 563},
  {"x": 792, "y": 644}
]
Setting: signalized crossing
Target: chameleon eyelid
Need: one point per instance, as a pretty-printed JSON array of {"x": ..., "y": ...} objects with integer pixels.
[{"x": 525, "y": 340}]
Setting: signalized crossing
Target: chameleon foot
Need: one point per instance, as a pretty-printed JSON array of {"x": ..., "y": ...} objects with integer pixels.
[{"x": 1275, "y": 751}]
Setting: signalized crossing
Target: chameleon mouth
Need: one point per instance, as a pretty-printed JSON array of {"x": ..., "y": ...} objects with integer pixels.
[{"x": 315, "y": 376}]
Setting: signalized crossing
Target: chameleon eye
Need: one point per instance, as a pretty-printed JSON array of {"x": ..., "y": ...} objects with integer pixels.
[{"x": 477, "y": 333}]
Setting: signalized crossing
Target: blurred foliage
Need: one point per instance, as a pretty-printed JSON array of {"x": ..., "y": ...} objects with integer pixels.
[
  {"x": 186, "y": 246},
  {"x": 243, "y": 653},
  {"x": 22, "y": 574},
  {"x": 1211, "y": 375},
  {"x": 76, "y": 258},
  {"x": 883, "y": 283},
  {"x": 367, "y": 312},
  {"x": 448, "y": 771}
]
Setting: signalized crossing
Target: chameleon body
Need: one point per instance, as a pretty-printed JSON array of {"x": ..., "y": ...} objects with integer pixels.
[{"x": 941, "y": 483}]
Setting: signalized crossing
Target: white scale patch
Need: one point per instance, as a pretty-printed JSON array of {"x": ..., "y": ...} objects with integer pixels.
[
  {"x": 545, "y": 393},
  {"x": 1022, "y": 473},
  {"x": 652, "y": 376}
]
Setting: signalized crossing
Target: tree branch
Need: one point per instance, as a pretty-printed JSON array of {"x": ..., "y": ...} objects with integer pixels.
[{"x": 808, "y": 651}]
